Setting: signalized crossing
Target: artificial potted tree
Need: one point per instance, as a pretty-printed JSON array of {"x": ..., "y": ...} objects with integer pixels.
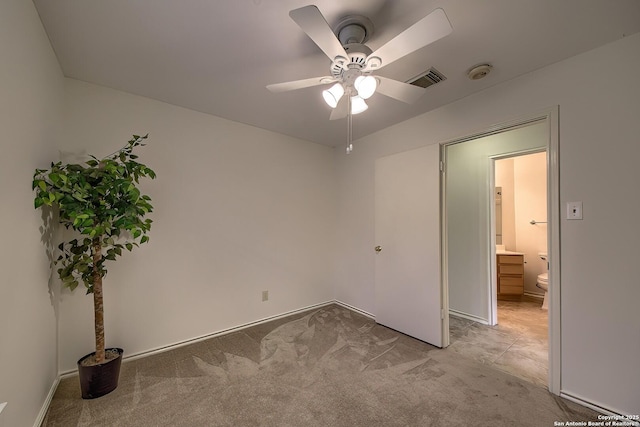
[{"x": 100, "y": 201}]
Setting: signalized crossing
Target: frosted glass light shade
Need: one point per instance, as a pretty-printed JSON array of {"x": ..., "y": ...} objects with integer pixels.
[
  {"x": 366, "y": 86},
  {"x": 332, "y": 95},
  {"x": 358, "y": 105}
]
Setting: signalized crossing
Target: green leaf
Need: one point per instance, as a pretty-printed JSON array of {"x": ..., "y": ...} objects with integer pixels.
[
  {"x": 54, "y": 177},
  {"x": 100, "y": 199}
]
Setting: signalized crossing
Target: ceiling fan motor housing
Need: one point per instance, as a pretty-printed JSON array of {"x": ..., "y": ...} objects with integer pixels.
[
  {"x": 354, "y": 29},
  {"x": 358, "y": 54}
]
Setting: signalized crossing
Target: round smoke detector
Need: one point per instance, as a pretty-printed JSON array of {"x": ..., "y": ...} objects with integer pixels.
[{"x": 479, "y": 71}]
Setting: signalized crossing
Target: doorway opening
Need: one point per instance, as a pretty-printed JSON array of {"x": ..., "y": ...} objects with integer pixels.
[
  {"x": 519, "y": 223},
  {"x": 470, "y": 265}
]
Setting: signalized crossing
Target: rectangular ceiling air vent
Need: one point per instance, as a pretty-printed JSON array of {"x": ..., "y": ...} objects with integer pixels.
[{"x": 428, "y": 78}]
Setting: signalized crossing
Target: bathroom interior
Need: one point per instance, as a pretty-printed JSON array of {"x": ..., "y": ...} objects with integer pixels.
[
  {"x": 521, "y": 229},
  {"x": 518, "y": 343},
  {"x": 520, "y": 221}
]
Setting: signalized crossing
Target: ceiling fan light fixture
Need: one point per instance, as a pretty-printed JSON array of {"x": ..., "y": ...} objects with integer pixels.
[
  {"x": 333, "y": 94},
  {"x": 366, "y": 86},
  {"x": 358, "y": 105}
]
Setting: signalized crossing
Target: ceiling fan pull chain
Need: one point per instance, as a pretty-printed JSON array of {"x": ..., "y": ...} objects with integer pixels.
[{"x": 349, "y": 125}]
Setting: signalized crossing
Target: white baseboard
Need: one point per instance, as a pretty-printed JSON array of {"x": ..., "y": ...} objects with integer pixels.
[
  {"x": 599, "y": 408},
  {"x": 532, "y": 295},
  {"x": 356, "y": 309},
  {"x": 183, "y": 343},
  {"x": 468, "y": 316},
  {"x": 47, "y": 402}
]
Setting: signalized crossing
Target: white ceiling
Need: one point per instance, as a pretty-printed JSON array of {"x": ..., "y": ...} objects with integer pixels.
[{"x": 217, "y": 56}]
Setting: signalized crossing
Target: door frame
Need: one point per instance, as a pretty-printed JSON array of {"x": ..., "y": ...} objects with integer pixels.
[{"x": 551, "y": 117}]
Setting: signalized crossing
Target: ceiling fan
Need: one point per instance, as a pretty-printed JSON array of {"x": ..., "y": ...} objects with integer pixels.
[{"x": 353, "y": 63}]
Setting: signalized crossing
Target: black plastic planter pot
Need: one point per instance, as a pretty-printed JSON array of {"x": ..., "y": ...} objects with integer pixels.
[{"x": 98, "y": 380}]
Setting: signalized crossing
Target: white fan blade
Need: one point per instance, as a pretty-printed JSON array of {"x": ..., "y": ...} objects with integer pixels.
[
  {"x": 313, "y": 23},
  {"x": 398, "y": 90},
  {"x": 300, "y": 84},
  {"x": 432, "y": 27},
  {"x": 341, "y": 109}
]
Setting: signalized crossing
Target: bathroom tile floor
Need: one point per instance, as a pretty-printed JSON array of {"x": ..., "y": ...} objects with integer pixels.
[{"x": 518, "y": 344}]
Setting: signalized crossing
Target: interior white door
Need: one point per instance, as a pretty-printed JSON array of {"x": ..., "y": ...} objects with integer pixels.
[{"x": 408, "y": 288}]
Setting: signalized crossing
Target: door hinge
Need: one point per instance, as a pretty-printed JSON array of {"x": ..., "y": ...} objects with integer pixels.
[
  {"x": 441, "y": 166},
  {"x": 442, "y": 314}
]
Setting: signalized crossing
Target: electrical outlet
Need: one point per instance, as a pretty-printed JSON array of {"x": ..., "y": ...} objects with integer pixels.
[{"x": 265, "y": 296}]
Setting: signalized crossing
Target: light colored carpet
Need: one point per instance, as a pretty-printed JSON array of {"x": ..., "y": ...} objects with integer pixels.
[{"x": 327, "y": 367}]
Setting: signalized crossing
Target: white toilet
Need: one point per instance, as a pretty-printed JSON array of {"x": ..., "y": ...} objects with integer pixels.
[{"x": 543, "y": 283}]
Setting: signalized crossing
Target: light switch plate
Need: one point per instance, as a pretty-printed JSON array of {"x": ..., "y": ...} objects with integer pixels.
[{"x": 574, "y": 210}]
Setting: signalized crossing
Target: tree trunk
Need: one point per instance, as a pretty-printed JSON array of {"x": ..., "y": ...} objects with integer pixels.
[{"x": 98, "y": 305}]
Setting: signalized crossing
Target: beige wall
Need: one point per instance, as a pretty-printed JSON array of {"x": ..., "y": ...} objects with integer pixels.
[
  {"x": 30, "y": 97},
  {"x": 238, "y": 210},
  {"x": 530, "y": 181}
]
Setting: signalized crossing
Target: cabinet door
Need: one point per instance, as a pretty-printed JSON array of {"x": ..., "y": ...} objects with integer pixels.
[
  {"x": 511, "y": 285},
  {"x": 510, "y": 259},
  {"x": 517, "y": 269},
  {"x": 510, "y": 274}
]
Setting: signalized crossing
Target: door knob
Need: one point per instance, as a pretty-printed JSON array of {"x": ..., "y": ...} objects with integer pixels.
[{"x": 378, "y": 249}]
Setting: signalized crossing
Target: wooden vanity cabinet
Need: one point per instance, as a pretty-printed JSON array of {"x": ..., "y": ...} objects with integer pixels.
[{"x": 510, "y": 275}]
